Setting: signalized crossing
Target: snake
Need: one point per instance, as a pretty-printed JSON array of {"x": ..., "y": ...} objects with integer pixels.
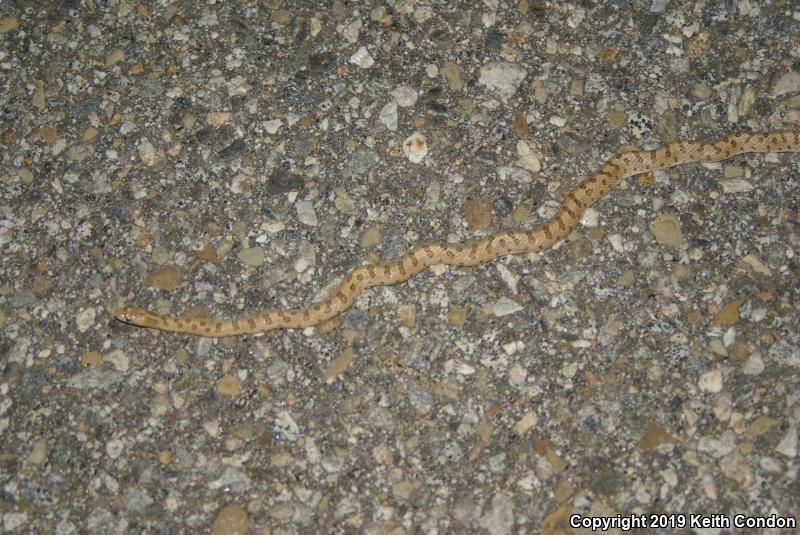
[{"x": 623, "y": 164}]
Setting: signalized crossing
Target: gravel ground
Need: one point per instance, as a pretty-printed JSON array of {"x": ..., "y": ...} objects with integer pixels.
[{"x": 221, "y": 157}]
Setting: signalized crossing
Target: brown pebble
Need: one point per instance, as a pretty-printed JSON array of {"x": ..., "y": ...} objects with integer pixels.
[
  {"x": 91, "y": 359},
  {"x": 519, "y": 124},
  {"x": 339, "y": 364},
  {"x": 208, "y": 254},
  {"x": 229, "y": 385},
  {"x": 231, "y": 520},
  {"x": 48, "y": 134},
  {"x": 667, "y": 230},
  {"x": 557, "y": 522},
  {"x": 458, "y": 316},
  {"x": 655, "y": 436},
  {"x": 478, "y": 213},
  {"x": 8, "y": 23},
  {"x": 165, "y": 278},
  {"x": 728, "y": 314}
]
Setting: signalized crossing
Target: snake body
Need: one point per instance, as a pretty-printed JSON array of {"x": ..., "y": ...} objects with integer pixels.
[{"x": 543, "y": 236}]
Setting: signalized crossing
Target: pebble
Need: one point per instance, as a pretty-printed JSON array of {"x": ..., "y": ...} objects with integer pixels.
[
  {"x": 233, "y": 481},
  {"x": 339, "y": 364},
  {"x": 502, "y": 78},
  {"x": 286, "y": 426},
  {"x": 509, "y": 278},
  {"x": 38, "y": 452},
  {"x": 343, "y": 202},
  {"x": 754, "y": 365},
  {"x": 502, "y": 205},
  {"x": 94, "y": 378},
  {"x": 711, "y": 382},
  {"x": 362, "y": 58},
  {"x": 305, "y": 213},
  {"x": 504, "y": 307},
  {"x": 165, "y": 277},
  {"x": 272, "y": 126},
  {"x": 147, "y": 153},
  {"x": 115, "y": 56},
  {"x": 787, "y": 83},
  {"x": 415, "y": 147},
  {"x": 655, "y": 436},
  {"x": 388, "y": 116},
  {"x": 526, "y": 159},
  {"x": 736, "y": 185},
  {"x": 457, "y": 316},
  {"x": 229, "y": 385},
  {"x": 218, "y": 118},
  {"x": 231, "y": 520},
  {"x": 728, "y": 314},
  {"x": 85, "y": 319},
  {"x": 252, "y": 256},
  {"x": 8, "y": 24},
  {"x": 405, "y": 96},
  {"x": 114, "y": 448},
  {"x": 616, "y": 118},
  {"x": 667, "y": 230},
  {"x": 590, "y": 218},
  {"x": 420, "y": 399},
  {"x": 788, "y": 444},
  {"x": 371, "y": 237},
  {"x": 119, "y": 360},
  {"x": 478, "y": 213},
  {"x": 242, "y": 183},
  {"x": 453, "y": 76},
  {"x": 526, "y": 423},
  {"x": 499, "y": 519}
]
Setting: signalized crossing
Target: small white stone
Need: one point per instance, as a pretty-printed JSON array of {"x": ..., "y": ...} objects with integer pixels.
[
  {"x": 115, "y": 447},
  {"x": 212, "y": 428},
  {"x": 388, "y": 116},
  {"x": 362, "y": 58},
  {"x": 509, "y": 278},
  {"x": 590, "y": 218},
  {"x": 464, "y": 369},
  {"x": 555, "y": 120},
  {"x": 788, "y": 83},
  {"x": 503, "y": 78},
  {"x": 272, "y": 126},
  {"x": 147, "y": 153},
  {"x": 119, "y": 360},
  {"x": 351, "y": 31},
  {"x": 616, "y": 242},
  {"x": 300, "y": 265},
  {"x": 405, "y": 96},
  {"x": 306, "y": 214},
  {"x": 505, "y": 306},
  {"x": 729, "y": 337},
  {"x": 527, "y": 160},
  {"x": 754, "y": 365},
  {"x": 736, "y": 185},
  {"x": 788, "y": 444},
  {"x": 526, "y": 423},
  {"x": 415, "y": 147},
  {"x": 85, "y": 319},
  {"x": 242, "y": 183},
  {"x": 286, "y": 426},
  {"x": 237, "y": 86},
  {"x": 711, "y": 382}
]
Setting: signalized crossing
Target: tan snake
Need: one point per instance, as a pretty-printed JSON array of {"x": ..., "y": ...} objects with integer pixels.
[{"x": 545, "y": 235}]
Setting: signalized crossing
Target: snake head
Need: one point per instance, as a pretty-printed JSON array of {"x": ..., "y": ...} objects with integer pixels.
[{"x": 135, "y": 316}]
